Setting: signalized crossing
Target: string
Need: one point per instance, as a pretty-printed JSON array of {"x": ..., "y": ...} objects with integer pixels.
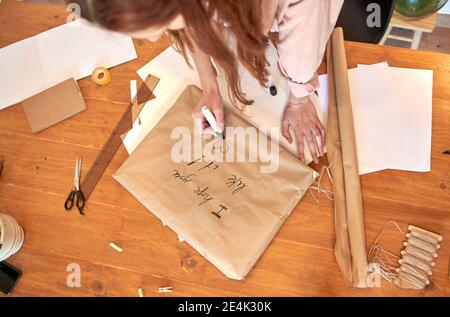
[
  {"x": 374, "y": 253},
  {"x": 418, "y": 243},
  {"x": 410, "y": 280},
  {"x": 388, "y": 271},
  {"x": 417, "y": 273},
  {"x": 321, "y": 189},
  {"x": 384, "y": 228}
]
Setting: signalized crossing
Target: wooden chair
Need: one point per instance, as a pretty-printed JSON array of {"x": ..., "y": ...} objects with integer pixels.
[{"x": 417, "y": 26}]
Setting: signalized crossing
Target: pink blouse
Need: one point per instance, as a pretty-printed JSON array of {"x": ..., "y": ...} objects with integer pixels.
[{"x": 304, "y": 27}]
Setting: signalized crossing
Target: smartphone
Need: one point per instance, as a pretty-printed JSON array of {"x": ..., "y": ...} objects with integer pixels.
[{"x": 8, "y": 277}]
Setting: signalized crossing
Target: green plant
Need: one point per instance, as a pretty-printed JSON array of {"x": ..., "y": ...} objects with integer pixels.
[{"x": 418, "y": 8}]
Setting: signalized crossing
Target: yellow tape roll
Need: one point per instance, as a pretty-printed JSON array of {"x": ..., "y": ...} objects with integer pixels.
[{"x": 101, "y": 76}]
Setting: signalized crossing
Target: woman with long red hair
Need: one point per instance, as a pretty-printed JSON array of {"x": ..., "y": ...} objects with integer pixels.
[{"x": 200, "y": 26}]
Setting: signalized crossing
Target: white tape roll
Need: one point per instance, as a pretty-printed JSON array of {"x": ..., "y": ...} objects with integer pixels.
[{"x": 11, "y": 236}]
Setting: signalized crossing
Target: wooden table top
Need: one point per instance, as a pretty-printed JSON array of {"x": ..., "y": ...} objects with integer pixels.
[{"x": 38, "y": 173}]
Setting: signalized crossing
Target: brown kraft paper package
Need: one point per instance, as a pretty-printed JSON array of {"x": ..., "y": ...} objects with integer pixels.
[{"x": 228, "y": 211}]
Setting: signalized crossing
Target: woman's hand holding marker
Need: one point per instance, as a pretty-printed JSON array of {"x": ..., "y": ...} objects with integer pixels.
[{"x": 214, "y": 103}]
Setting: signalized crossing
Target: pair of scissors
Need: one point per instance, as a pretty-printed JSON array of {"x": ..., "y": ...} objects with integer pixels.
[{"x": 76, "y": 192}]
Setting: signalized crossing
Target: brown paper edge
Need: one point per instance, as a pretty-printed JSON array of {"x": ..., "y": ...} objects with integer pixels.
[
  {"x": 349, "y": 222},
  {"x": 342, "y": 244}
]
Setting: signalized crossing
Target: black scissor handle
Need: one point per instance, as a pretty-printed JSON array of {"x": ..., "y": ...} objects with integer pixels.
[
  {"x": 80, "y": 202},
  {"x": 69, "y": 201}
]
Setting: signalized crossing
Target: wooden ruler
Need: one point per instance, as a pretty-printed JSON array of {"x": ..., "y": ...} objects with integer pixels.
[{"x": 109, "y": 149}]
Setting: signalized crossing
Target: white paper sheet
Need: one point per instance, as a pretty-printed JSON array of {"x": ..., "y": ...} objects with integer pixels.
[
  {"x": 20, "y": 72},
  {"x": 133, "y": 89},
  {"x": 71, "y": 50},
  {"x": 392, "y": 110},
  {"x": 377, "y": 117},
  {"x": 174, "y": 75},
  {"x": 392, "y": 113},
  {"x": 323, "y": 97},
  {"x": 415, "y": 89}
]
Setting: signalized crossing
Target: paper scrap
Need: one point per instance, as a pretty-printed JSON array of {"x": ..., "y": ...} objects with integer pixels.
[
  {"x": 140, "y": 292},
  {"x": 115, "y": 247},
  {"x": 167, "y": 289},
  {"x": 133, "y": 89}
]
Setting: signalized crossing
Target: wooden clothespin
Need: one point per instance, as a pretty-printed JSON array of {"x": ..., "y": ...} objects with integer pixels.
[{"x": 167, "y": 289}]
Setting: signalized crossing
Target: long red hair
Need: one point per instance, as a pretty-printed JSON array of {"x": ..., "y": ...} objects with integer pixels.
[{"x": 205, "y": 26}]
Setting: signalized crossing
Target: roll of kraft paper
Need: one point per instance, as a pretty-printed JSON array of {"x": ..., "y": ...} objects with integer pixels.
[
  {"x": 11, "y": 236},
  {"x": 350, "y": 248}
]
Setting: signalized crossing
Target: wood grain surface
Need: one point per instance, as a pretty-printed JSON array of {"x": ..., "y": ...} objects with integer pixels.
[{"x": 38, "y": 173}]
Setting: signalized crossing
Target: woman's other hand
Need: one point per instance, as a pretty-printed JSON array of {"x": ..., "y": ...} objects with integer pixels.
[
  {"x": 213, "y": 100},
  {"x": 300, "y": 114}
]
